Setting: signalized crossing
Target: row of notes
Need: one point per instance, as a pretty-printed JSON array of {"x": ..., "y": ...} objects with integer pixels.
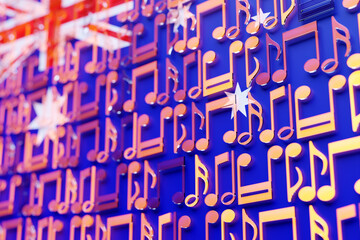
[
  {"x": 82, "y": 188},
  {"x": 177, "y": 227}
]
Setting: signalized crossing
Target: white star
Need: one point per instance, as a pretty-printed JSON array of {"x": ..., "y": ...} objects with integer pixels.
[
  {"x": 180, "y": 15},
  {"x": 241, "y": 100},
  {"x": 263, "y": 16},
  {"x": 48, "y": 115}
]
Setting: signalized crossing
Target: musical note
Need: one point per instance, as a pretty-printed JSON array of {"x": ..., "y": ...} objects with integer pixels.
[
  {"x": 143, "y": 71},
  {"x": 179, "y": 111},
  {"x": 354, "y": 84},
  {"x": 312, "y": 64},
  {"x": 331, "y": 64},
  {"x": 248, "y": 221},
  {"x": 134, "y": 168},
  {"x": 263, "y": 78},
  {"x": 315, "y": 222},
  {"x": 146, "y": 229},
  {"x": 82, "y": 223},
  {"x": 322, "y": 123},
  {"x": 230, "y": 136},
  {"x": 224, "y": 81},
  {"x": 88, "y": 205},
  {"x": 246, "y": 137},
  {"x": 205, "y": 8},
  {"x": 184, "y": 223},
  {"x": 130, "y": 152},
  {"x": 267, "y": 135},
  {"x": 166, "y": 219},
  {"x": 293, "y": 151},
  {"x": 201, "y": 173},
  {"x": 256, "y": 192},
  {"x": 195, "y": 92},
  {"x": 111, "y": 97},
  {"x": 153, "y": 146},
  {"x": 180, "y": 94},
  {"x": 126, "y": 219},
  {"x": 37, "y": 190},
  {"x": 211, "y": 199},
  {"x": 342, "y": 214},
  {"x": 308, "y": 193},
  {"x": 254, "y": 27},
  {"x": 211, "y": 217},
  {"x": 241, "y": 6},
  {"x": 110, "y": 200},
  {"x": 147, "y": 9},
  {"x": 7, "y": 206},
  {"x": 278, "y": 215},
  {"x": 94, "y": 66},
  {"x": 150, "y": 50},
  {"x": 171, "y": 74},
  {"x": 142, "y": 202},
  {"x": 110, "y": 139},
  {"x": 131, "y": 15},
  {"x": 227, "y": 216},
  {"x": 9, "y": 225},
  {"x": 178, "y": 197},
  {"x": 71, "y": 187}
]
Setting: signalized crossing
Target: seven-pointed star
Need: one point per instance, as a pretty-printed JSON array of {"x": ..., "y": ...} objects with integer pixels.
[
  {"x": 180, "y": 15},
  {"x": 241, "y": 100},
  {"x": 48, "y": 115},
  {"x": 263, "y": 16}
]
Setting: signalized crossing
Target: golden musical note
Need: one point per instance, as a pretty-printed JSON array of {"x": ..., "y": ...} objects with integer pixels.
[
  {"x": 211, "y": 217},
  {"x": 201, "y": 173},
  {"x": 227, "y": 216},
  {"x": 184, "y": 223}
]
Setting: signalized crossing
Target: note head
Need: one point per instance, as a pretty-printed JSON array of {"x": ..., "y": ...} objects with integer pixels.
[
  {"x": 253, "y": 27},
  {"x": 185, "y": 221},
  {"x": 147, "y": 10},
  {"x": 307, "y": 194},
  {"x": 245, "y": 138},
  {"x": 194, "y": 92},
  {"x": 100, "y": 67},
  {"x": 140, "y": 203},
  {"x": 353, "y": 61},
  {"x": 180, "y": 46},
  {"x": 36, "y": 210},
  {"x": 53, "y": 206},
  {"x": 267, "y": 136},
  {"x": 129, "y": 153},
  {"x": 329, "y": 65},
  {"x": 351, "y": 5},
  {"x": 163, "y": 98},
  {"x": 90, "y": 67},
  {"x": 63, "y": 208},
  {"x": 180, "y": 95},
  {"x": 263, "y": 78},
  {"x": 312, "y": 65},
  {"x": 178, "y": 198},
  {"x": 188, "y": 146},
  {"x": 91, "y": 155},
  {"x": 160, "y": 6},
  {"x": 279, "y": 76},
  {"x": 202, "y": 144},
  {"x": 285, "y": 133},
  {"x": 122, "y": 17},
  {"x": 150, "y": 98},
  {"x": 133, "y": 15},
  {"x": 270, "y": 23},
  {"x": 102, "y": 157},
  {"x": 193, "y": 43},
  {"x": 129, "y": 106},
  {"x": 76, "y": 208},
  {"x": 212, "y": 216},
  {"x": 228, "y": 198},
  {"x": 326, "y": 193},
  {"x": 87, "y": 206},
  {"x": 357, "y": 186},
  {"x": 211, "y": 200},
  {"x": 73, "y": 161},
  {"x": 233, "y": 32},
  {"x": 153, "y": 203},
  {"x": 218, "y": 33},
  {"x": 229, "y": 137},
  {"x": 192, "y": 200}
]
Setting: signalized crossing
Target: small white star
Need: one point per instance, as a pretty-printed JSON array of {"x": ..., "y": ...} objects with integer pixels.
[
  {"x": 241, "y": 100},
  {"x": 262, "y": 16},
  {"x": 180, "y": 15},
  {"x": 48, "y": 115}
]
